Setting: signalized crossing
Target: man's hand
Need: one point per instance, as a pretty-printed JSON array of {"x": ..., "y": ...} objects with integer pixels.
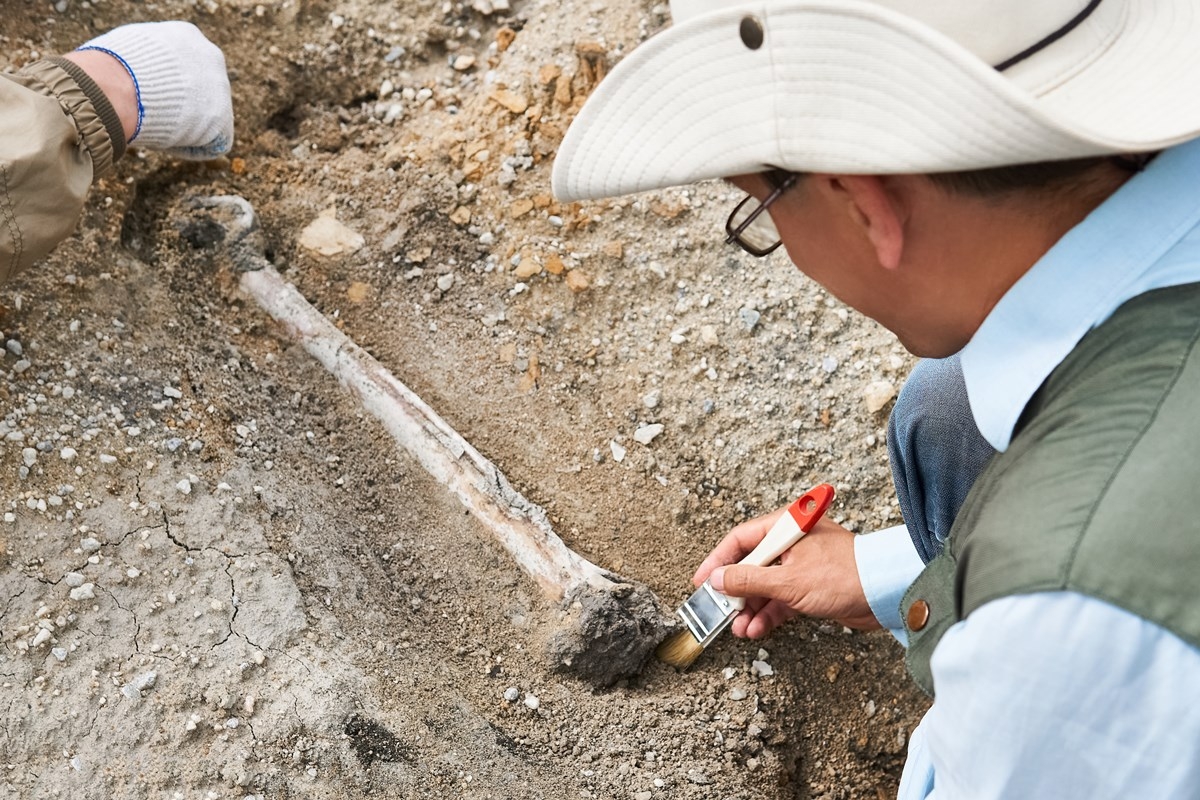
[
  {"x": 817, "y": 577},
  {"x": 180, "y": 89}
]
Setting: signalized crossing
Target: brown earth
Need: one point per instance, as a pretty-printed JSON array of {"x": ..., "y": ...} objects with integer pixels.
[{"x": 319, "y": 617}]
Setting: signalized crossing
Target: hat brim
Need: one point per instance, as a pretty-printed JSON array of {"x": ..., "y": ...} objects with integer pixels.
[{"x": 852, "y": 87}]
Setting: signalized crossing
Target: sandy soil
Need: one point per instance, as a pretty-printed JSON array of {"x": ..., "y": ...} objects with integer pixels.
[{"x": 221, "y": 579}]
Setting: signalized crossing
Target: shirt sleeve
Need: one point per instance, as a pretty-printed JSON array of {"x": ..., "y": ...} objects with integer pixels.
[
  {"x": 887, "y": 565},
  {"x": 56, "y": 134},
  {"x": 1058, "y": 695}
]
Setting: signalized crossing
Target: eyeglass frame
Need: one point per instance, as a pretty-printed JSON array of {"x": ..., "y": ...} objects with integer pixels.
[{"x": 734, "y": 234}]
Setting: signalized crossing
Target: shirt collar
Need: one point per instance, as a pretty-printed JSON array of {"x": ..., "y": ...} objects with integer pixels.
[{"x": 1107, "y": 259}]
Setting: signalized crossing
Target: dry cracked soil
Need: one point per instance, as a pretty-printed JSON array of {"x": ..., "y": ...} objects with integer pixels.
[{"x": 220, "y": 577}]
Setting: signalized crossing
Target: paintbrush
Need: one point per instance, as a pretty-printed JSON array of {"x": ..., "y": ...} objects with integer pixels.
[{"x": 708, "y": 612}]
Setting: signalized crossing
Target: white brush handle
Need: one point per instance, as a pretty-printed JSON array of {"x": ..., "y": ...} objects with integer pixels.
[
  {"x": 783, "y": 534},
  {"x": 793, "y": 523}
]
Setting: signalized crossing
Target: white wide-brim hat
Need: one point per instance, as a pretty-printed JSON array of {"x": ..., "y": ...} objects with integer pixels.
[{"x": 893, "y": 86}]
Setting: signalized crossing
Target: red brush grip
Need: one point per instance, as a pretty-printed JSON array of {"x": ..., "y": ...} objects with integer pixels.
[{"x": 809, "y": 507}]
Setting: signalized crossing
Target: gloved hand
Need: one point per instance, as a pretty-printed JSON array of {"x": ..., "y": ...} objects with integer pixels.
[{"x": 184, "y": 103}]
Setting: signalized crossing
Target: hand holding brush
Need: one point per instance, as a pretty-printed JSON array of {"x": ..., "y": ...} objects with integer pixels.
[{"x": 816, "y": 576}]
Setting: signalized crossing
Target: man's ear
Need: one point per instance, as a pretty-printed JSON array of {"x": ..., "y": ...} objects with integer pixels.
[{"x": 877, "y": 211}]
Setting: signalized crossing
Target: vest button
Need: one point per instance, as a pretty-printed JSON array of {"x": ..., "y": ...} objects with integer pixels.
[{"x": 918, "y": 615}]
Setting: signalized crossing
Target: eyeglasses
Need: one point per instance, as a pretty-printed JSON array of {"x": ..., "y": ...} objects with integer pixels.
[{"x": 750, "y": 227}]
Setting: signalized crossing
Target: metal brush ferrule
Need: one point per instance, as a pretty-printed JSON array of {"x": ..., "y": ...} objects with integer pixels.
[{"x": 707, "y": 612}]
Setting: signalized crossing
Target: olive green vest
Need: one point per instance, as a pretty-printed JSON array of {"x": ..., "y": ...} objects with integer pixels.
[{"x": 1099, "y": 491}]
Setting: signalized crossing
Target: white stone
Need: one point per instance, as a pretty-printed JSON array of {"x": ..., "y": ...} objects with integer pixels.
[
  {"x": 761, "y": 668},
  {"x": 531, "y": 701},
  {"x": 68, "y": 454},
  {"x": 184, "y": 486},
  {"x": 738, "y": 693},
  {"x": 326, "y": 236},
  {"x": 618, "y": 452},
  {"x": 647, "y": 433},
  {"x": 40, "y": 638},
  {"x": 89, "y": 545},
  {"x": 652, "y": 398},
  {"x": 172, "y": 392},
  {"x": 74, "y": 579},
  {"x": 512, "y": 694},
  {"x": 878, "y": 394},
  {"x": 84, "y": 592},
  {"x": 105, "y": 458},
  {"x": 29, "y": 456}
]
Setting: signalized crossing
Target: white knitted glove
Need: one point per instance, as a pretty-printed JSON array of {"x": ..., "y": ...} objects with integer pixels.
[{"x": 184, "y": 104}]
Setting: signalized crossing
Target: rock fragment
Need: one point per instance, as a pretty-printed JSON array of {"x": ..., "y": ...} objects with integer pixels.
[
  {"x": 878, "y": 394},
  {"x": 647, "y": 433},
  {"x": 326, "y": 236}
]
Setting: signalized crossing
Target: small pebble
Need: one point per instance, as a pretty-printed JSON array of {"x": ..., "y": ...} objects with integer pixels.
[
  {"x": 738, "y": 693},
  {"x": 761, "y": 668},
  {"x": 647, "y": 433},
  {"x": 14, "y": 347},
  {"x": 172, "y": 392},
  {"x": 89, "y": 545},
  {"x": 512, "y": 694},
  {"x": 184, "y": 486},
  {"x": 84, "y": 592},
  {"x": 67, "y": 454},
  {"x": 618, "y": 452},
  {"x": 532, "y": 702},
  {"x": 878, "y": 394},
  {"x": 651, "y": 399},
  {"x": 829, "y": 364},
  {"x": 74, "y": 579},
  {"x": 105, "y": 458},
  {"x": 59, "y": 653}
]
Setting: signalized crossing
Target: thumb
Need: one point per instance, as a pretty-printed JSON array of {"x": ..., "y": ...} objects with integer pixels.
[{"x": 742, "y": 580}]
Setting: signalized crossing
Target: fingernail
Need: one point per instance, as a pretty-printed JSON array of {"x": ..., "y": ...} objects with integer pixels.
[{"x": 717, "y": 579}]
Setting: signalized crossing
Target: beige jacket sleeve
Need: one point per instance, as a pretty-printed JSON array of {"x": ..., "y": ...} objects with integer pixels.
[{"x": 58, "y": 132}]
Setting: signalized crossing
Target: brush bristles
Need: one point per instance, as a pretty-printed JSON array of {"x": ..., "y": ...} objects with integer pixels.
[{"x": 680, "y": 650}]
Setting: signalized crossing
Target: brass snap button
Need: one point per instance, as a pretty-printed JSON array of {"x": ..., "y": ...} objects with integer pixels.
[
  {"x": 918, "y": 615},
  {"x": 751, "y": 31}
]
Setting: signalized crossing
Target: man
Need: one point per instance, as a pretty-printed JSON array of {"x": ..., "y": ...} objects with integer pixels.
[
  {"x": 954, "y": 170},
  {"x": 64, "y": 121}
]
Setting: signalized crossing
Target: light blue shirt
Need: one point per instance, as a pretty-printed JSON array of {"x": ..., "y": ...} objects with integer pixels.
[{"x": 1058, "y": 695}]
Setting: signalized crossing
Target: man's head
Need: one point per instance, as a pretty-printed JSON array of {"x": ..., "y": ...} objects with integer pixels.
[
  {"x": 905, "y": 117},
  {"x": 926, "y": 255}
]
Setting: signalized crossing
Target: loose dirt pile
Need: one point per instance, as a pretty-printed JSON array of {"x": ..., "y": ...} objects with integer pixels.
[{"x": 221, "y": 579}]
